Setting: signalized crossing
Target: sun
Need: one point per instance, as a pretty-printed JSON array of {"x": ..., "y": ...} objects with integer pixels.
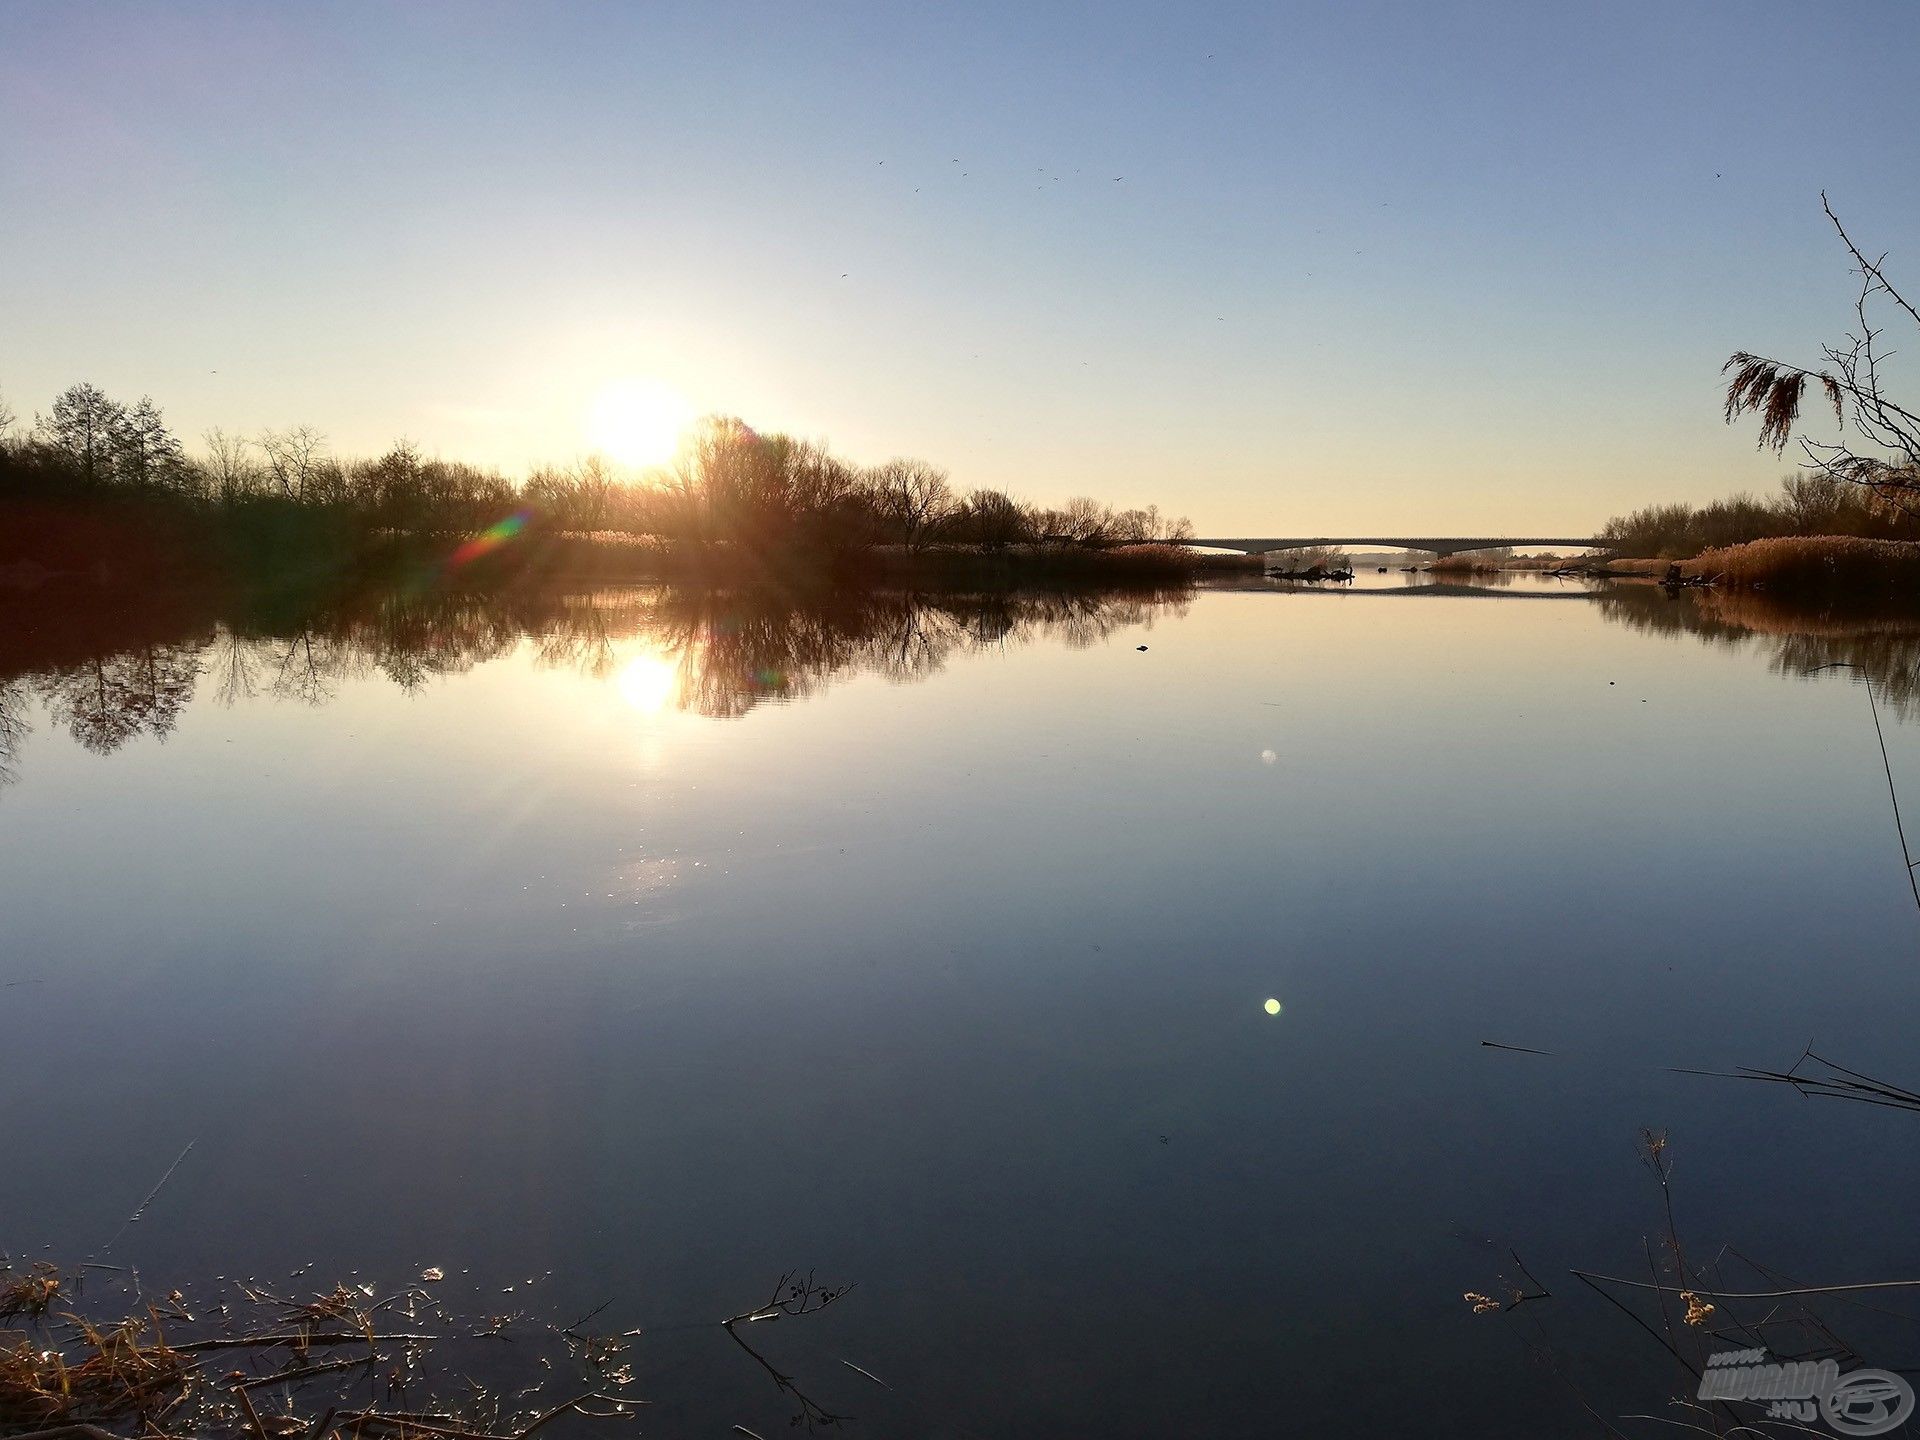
[{"x": 637, "y": 420}]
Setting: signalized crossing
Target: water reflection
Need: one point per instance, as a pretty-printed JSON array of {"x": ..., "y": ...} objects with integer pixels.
[
  {"x": 1881, "y": 644},
  {"x": 110, "y": 676},
  {"x": 106, "y": 675}
]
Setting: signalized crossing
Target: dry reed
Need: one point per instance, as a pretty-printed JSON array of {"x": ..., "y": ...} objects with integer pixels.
[{"x": 1813, "y": 563}]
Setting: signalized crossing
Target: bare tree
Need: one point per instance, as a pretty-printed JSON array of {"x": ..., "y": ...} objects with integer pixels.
[
  {"x": 913, "y": 496},
  {"x": 230, "y": 466},
  {"x": 594, "y": 488},
  {"x": 993, "y": 518},
  {"x": 1147, "y": 526},
  {"x": 296, "y": 461},
  {"x": 1851, "y": 383},
  {"x": 1081, "y": 521},
  {"x": 7, "y": 417}
]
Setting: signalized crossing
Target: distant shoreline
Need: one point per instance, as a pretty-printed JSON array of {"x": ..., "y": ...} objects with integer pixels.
[{"x": 128, "y": 547}]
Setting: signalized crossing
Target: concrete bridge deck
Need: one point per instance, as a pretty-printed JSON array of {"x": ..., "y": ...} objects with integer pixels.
[{"x": 1432, "y": 544}]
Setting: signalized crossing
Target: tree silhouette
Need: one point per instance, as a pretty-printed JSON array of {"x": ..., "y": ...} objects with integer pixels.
[
  {"x": 87, "y": 428},
  {"x": 296, "y": 462},
  {"x": 146, "y": 452},
  {"x": 913, "y": 497},
  {"x": 1852, "y": 385}
]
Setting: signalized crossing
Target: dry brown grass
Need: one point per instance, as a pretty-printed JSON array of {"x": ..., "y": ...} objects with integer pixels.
[
  {"x": 1632, "y": 567},
  {"x": 164, "y": 1373},
  {"x": 1813, "y": 563},
  {"x": 119, "y": 1374},
  {"x": 29, "y": 1294}
]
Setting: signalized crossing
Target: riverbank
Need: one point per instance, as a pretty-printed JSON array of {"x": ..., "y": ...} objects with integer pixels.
[
  {"x": 129, "y": 547},
  {"x": 1812, "y": 564},
  {"x": 1821, "y": 566}
]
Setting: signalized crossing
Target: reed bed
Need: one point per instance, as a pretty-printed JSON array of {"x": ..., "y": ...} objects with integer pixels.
[{"x": 1812, "y": 564}]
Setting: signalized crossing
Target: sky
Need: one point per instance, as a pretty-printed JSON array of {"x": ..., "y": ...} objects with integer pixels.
[{"x": 1329, "y": 268}]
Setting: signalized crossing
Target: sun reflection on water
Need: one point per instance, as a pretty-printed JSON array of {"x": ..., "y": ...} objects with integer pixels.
[{"x": 648, "y": 683}]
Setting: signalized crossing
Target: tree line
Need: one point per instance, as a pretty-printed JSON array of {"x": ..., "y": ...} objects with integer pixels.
[
  {"x": 1864, "y": 484},
  {"x": 1808, "y": 503},
  {"x": 731, "y": 486}
]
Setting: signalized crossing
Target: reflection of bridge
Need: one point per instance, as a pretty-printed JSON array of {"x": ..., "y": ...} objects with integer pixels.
[{"x": 1435, "y": 544}]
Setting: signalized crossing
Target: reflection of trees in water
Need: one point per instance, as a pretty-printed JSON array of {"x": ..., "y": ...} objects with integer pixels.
[
  {"x": 729, "y": 649},
  {"x": 1881, "y": 645},
  {"x": 13, "y": 728},
  {"x": 108, "y": 700}
]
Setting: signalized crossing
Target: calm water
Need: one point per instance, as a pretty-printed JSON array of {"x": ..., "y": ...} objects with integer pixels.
[{"x": 648, "y": 944}]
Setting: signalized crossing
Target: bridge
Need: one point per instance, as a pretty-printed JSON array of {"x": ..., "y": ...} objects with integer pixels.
[{"x": 1438, "y": 545}]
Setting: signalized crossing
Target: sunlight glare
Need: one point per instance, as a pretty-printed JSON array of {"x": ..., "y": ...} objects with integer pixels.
[
  {"x": 638, "y": 421},
  {"x": 648, "y": 683}
]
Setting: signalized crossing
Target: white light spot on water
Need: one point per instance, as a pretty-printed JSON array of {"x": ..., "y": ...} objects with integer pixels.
[
  {"x": 648, "y": 683},
  {"x": 1267, "y": 757},
  {"x": 1273, "y": 1007}
]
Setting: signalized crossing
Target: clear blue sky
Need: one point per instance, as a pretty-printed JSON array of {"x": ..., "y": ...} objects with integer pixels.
[{"x": 1440, "y": 266}]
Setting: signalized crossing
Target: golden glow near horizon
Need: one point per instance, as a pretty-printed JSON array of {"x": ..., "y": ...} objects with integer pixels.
[
  {"x": 637, "y": 420},
  {"x": 648, "y": 683}
]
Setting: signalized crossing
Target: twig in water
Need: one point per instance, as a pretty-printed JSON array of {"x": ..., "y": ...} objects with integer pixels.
[
  {"x": 586, "y": 1317},
  {"x": 1520, "y": 1296},
  {"x": 1590, "y": 1276},
  {"x": 304, "y": 1372},
  {"x": 253, "y": 1416},
  {"x": 791, "y": 1296},
  {"x": 141, "y": 1208},
  {"x": 1854, "y": 1086},
  {"x": 1522, "y": 1049},
  {"x": 1893, "y": 795},
  {"x": 297, "y": 1339}
]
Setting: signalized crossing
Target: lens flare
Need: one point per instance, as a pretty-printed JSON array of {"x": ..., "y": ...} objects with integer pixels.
[{"x": 489, "y": 540}]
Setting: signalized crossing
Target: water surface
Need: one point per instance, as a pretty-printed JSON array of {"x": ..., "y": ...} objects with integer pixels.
[{"x": 645, "y": 944}]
